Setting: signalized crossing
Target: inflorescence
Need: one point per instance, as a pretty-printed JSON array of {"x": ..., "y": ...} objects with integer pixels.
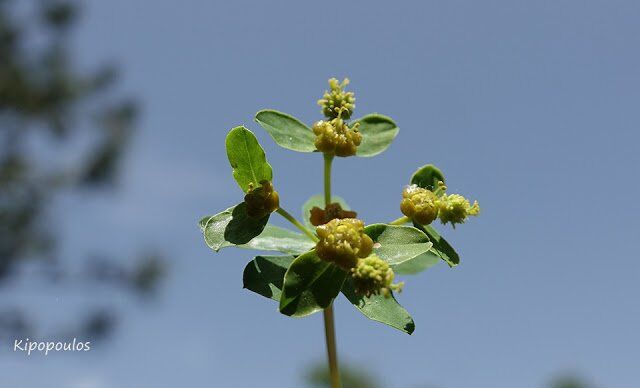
[{"x": 423, "y": 206}]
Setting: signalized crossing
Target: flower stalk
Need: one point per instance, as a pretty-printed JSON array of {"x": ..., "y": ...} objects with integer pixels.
[
  {"x": 400, "y": 221},
  {"x": 297, "y": 224},
  {"x": 327, "y": 314}
]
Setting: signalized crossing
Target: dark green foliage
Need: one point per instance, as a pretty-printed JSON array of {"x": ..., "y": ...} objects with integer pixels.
[
  {"x": 427, "y": 177},
  {"x": 380, "y": 308},
  {"x": 264, "y": 275},
  {"x": 440, "y": 246},
  {"x": 310, "y": 285},
  {"x": 45, "y": 97}
]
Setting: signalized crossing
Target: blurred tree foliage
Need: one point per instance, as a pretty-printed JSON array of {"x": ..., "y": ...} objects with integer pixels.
[
  {"x": 61, "y": 129},
  {"x": 317, "y": 376},
  {"x": 570, "y": 381}
]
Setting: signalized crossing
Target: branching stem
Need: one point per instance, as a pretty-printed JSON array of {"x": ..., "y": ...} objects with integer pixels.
[{"x": 297, "y": 224}]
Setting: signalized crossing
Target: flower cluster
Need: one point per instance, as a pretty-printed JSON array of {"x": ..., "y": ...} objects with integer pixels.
[
  {"x": 342, "y": 255},
  {"x": 336, "y": 102},
  {"x": 373, "y": 276},
  {"x": 331, "y": 212},
  {"x": 335, "y": 137},
  {"x": 455, "y": 208},
  {"x": 423, "y": 206},
  {"x": 343, "y": 242},
  {"x": 262, "y": 200}
]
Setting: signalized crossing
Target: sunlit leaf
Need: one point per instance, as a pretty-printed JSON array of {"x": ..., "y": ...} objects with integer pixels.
[
  {"x": 379, "y": 308},
  {"x": 417, "y": 264},
  {"x": 232, "y": 227},
  {"x": 272, "y": 238},
  {"x": 397, "y": 244},
  {"x": 287, "y": 131},
  {"x": 247, "y": 159},
  {"x": 378, "y": 132}
]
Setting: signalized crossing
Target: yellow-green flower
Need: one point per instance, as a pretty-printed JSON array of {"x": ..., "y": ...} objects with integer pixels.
[
  {"x": 343, "y": 242},
  {"x": 336, "y": 102},
  {"x": 419, "y": 204},
  {"x": 373, "y": 276},
  {"x": 455, "y": 208},
  {"x": 335, "y": 137}
]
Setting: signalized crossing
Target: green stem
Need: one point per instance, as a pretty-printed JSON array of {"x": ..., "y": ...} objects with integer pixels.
[
  {"x": 329, "y": 326},
  {"x": 327, "y": 178},
  {"x": 332, "y": 354},
  {"x": 400, "y": 221},
  {"x": 297, "y": 224}
]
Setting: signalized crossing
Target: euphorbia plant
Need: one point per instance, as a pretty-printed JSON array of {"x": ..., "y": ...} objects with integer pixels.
[{"x": 336, "y": 252}]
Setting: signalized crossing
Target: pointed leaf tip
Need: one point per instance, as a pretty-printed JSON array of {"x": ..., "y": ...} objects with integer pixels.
[{"x": 287, "y": 131}]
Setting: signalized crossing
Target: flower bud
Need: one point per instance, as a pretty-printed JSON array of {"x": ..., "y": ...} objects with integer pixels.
[
  {"x": 330, "y": 212},
  {"x": 336, "y": 102},
  {"x": 262, "y": 200},
  {"x": 455, "y": 208},
  {"x": 336, "y": 138},
  {"x": 373, "y": 276},
  {"x": 419, "y": 204},
  {"x": 342, "y": 242}
]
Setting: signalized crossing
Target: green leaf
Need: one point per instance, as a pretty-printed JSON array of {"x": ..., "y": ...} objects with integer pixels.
[
  {"x": 318, "y": 200},
  {"x": 264, "y": 275},
  {"x": 232, "y": 227},
  {"x": 203, "y": 222},
  {"x": 427, "y": 177},
  {"x": 396, "y": 244},
  {"x": 379, "y": 308},
  {"x": 272, "y": 238},
  {"x": 417, "y": 264},
  {"x": 378, "y": 132},
  {"x": 310, "y": 285},
  {"x": 440, "y": 246},
  {"x": 247, "y": 159},
  {"x": 213, "y": 228},
  {"x": 287, "y": 131}
]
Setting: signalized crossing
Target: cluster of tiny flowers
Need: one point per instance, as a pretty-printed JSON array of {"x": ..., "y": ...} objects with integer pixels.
[
  {"x": 373, "y": 276},
  {"x": 262, "y": 200},
  {"x": 336, "y": 138},
  {"x": 455, "y": 208},
  {"x": 424, "y": 206},
  {"x": 342, "y": 242},
  {"x": 336, "y": 102},
  {"x": 421, "y": 205},
  {"x": 331, "y": 212}
]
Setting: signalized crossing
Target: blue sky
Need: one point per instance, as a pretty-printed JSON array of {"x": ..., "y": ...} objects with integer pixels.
[{"x": 529, "y": 107}]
